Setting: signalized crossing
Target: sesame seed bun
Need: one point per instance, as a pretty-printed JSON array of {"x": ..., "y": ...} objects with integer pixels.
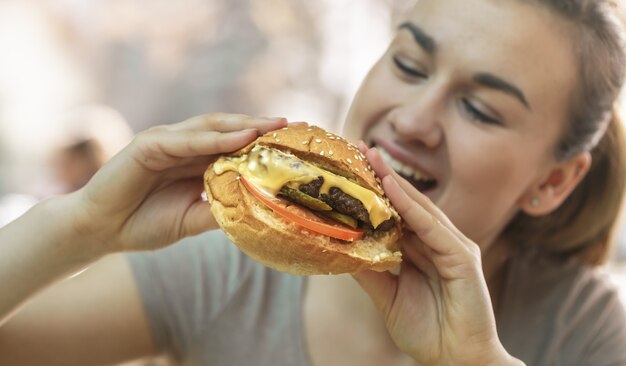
[{"x": 283, "y": 245}]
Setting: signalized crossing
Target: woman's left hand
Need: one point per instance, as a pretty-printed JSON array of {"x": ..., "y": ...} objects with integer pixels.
[
  {"x": 437, "y": 309},
  {"x": 148, "y": 195}
]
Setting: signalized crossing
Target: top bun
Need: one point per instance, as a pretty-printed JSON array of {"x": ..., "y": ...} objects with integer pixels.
[
  {"x": 324, "y": 149},
  {"x": 283, "y": 245}
]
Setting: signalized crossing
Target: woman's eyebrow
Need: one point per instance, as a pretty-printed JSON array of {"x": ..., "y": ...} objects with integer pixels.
[
  {"x": 489, "y": 80},
  {"x": 492, "y": 81},
  {"x": 422, "y": 38}
]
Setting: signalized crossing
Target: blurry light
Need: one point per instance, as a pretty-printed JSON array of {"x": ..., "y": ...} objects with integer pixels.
[
  {"x": 36, "y": 80},
  {"x": 274, "y": 17},
  {"x": 304, "y": 105},
  {"x": 94, "y": 122},
  {"x": 353, "y": 38}
]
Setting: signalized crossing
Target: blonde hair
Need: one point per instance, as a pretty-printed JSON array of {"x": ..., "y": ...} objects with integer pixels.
[{"x": 583, "y": 226}]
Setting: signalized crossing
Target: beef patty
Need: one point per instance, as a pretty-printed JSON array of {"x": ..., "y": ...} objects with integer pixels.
[{"x": 342, "y": 202}]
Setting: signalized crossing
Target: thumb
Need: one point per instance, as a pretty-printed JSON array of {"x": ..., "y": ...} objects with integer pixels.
[
  {"x": 199, "y": 219},
  {"x": 380, "y": 286}
]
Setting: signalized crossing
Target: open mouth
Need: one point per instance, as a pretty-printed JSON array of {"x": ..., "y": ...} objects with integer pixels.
[{"x": 416, "y": 177}]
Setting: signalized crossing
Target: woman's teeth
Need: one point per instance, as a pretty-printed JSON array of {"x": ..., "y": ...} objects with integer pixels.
[{"x": 404, "y": 169}]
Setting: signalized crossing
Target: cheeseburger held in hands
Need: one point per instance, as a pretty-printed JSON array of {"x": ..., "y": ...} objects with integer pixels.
[{"x": 304, "y": 201}]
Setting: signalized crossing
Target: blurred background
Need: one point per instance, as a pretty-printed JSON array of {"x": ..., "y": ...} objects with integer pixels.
[{"x": 79, "y": 77}]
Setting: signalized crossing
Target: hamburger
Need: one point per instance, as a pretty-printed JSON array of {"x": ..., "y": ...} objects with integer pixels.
[{"x": 304, "y": 201}]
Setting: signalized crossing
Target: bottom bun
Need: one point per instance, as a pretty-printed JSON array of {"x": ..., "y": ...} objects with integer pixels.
[{"x": 285, "y": 246}]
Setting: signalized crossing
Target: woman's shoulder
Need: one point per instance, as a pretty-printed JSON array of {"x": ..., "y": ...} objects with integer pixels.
[
  {"x": 559, "y": 311},
  {"x": 564, "y": 282}
]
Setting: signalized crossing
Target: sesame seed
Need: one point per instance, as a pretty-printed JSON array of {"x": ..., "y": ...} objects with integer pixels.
[
  {"x": 309, "y": 129},
  {"x": 349, "y": 161},
  {"x": 322, "y": 152},
  {"x": 277, "y": 140},
  {"x": 357, "y": 157},
  {"x": 284, "y": 128},
  {"x": 330, "y": 152},
  {"x": 356, "y": 170},
  {"x": 304, "y": 142},
  {"x": 274, "y": 135},
  {"x": 331, "y": 138},
  {"x": 318, "y": 140}
]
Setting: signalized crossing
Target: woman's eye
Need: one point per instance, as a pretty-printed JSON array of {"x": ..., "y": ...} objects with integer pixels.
[
  {"x": 409, "y": 70},
  {"x": 476, "y": 114}
]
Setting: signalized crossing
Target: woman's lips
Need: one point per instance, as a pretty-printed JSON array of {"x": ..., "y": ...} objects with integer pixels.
[{"x": 417, "y": 177}]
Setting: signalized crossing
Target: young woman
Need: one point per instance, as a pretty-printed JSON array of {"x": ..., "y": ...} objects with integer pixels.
[{"x": 499, "y": 112}]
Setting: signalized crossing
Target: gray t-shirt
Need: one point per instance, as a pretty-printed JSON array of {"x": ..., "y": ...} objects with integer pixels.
[{"x": 208, "y": 304}]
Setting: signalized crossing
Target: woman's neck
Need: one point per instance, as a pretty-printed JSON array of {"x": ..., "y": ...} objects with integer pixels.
[{"x": 494, "y": 260}]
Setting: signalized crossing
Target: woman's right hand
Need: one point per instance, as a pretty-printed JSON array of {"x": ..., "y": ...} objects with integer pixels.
[{"x": 148, "y": 195}]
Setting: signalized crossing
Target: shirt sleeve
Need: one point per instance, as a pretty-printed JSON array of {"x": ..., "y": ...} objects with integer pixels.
[
  {"x": 185, "y": 286},
  {"x": 561, "y": 313},
  {"x": 606, "y": 335}
]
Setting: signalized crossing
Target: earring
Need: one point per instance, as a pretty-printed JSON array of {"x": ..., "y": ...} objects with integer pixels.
[{"x": 534, "y": 202}]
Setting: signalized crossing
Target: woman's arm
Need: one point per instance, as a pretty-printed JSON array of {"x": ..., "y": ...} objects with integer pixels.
[
  {"x": 94, "y": 318},
  {"x": 146, "y": 197},
  {"x": 38, "y": 248}
]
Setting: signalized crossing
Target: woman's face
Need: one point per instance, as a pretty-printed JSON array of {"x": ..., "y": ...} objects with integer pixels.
[{"x": 468, "y": 103}]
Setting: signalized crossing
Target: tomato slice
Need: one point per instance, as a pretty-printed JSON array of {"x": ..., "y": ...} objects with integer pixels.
[{"x": 303, "y": 217}]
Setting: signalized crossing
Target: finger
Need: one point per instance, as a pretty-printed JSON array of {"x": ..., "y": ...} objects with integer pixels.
[
  {"x": 423, "y": 223},
  {"x": 190, "y": 144},
  {"x": 199, "y": 219},
  {"x": 226, "y": 122},
  {"x": 380, "y": 286},
  {"x": 362, "y": 147},
  {"x": 382, "y": 169},
  {"x": 453, "y": 255},
  {"x": 418, "y": 254},
  {"x": 198, "y": 160},
  {"x": 157, "y": 151},
  {"x": 186, "y": 171}
]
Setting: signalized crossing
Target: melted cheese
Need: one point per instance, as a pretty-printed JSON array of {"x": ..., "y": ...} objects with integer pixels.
[{"x": 271, "y": 169}]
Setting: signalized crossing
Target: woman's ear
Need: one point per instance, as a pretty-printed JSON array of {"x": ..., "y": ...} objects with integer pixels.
[{"x": 550, "y": 192}]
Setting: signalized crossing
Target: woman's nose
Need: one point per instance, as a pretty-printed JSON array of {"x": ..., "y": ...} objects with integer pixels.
[{"x": 419, "y": 119}]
